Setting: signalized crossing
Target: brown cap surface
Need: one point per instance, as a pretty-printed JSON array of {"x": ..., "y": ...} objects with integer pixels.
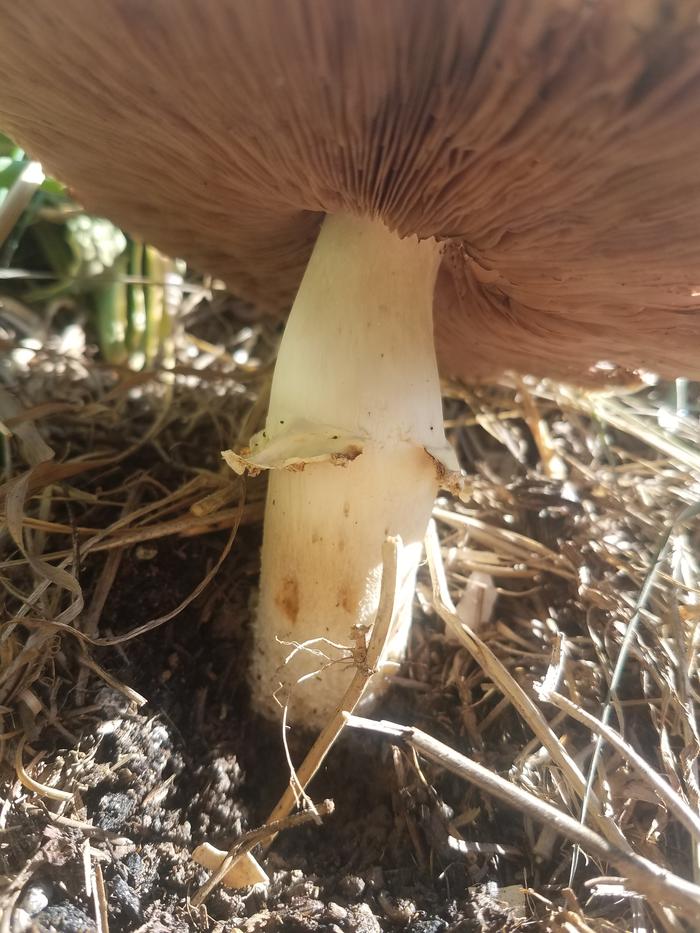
[{"x": 554, "y": 144}]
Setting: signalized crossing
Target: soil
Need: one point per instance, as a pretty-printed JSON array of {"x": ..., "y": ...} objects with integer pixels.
[
  {"x": 194, "y": 763},
  {"x": 408, "y": 847}
]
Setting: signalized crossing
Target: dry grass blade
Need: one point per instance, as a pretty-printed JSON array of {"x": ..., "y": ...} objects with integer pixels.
[
  {"x": 197, "y": 591},
  {"x": 186, "y": 526},
  {"x": 36, "y": 787},
  {"x": 625, "y": 648},
  {"x": 504, "y": 680},
  {"x": 111, "y": 641},
  {"x": 100, "y": 894},
  {"x": 666, "y": 793},
  {"x": 132, "y": 695},
  {"x": 655, "y": 883},
  {"x": 621, "y": 415},
  {"x": 33, "y": 446},
  {"x": 45, "y": 572},
  {"x": 520, "y": 548}
]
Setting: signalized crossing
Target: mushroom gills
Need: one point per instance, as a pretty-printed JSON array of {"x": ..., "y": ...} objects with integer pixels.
[{"x": 355, "y": 442}]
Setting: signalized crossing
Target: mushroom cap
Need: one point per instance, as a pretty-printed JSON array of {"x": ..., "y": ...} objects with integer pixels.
[{"x": 553, "y": 146}]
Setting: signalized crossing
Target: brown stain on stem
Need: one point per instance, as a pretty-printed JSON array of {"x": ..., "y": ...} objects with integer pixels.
[
  {"x": 287, "y": 598},
  {"x": 347, "y": 599}
]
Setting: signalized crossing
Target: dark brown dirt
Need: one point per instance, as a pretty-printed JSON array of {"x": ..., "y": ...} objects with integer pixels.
[{"x": 195, "y": 764}]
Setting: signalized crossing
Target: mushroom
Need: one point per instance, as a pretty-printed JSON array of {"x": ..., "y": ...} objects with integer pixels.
[{"x": 539, "y": 160}]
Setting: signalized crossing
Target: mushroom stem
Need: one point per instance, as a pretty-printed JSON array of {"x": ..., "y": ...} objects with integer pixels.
[{"x": 355, "y": 441}]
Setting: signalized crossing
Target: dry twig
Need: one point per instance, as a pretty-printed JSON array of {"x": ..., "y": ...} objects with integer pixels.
[{"x": 654, "y": 882}]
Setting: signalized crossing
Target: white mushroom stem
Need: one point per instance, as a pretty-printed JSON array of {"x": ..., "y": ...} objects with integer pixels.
[{"x": 355, "y": 441}]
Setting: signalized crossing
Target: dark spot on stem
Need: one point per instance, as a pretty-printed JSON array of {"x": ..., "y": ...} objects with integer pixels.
[
  {"x": 346, "y": 599},
  {"x": 288, "y": 598}
]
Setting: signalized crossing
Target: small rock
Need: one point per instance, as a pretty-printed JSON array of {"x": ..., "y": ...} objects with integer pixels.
[
  {"x": 136, "y": 868},
  {"x": 36, "y": 897},
  {"x": 306, "y": 906},
  {"x": 428, "y": 925},
  {"x": 113, "y": 811},
  {"x": 159, "y": 737},
  {"x": 21, "y": 921},
  {"x": 304, "y": 888},
  {"x": 145, "y": 822},
  {"x": 224, "y": 904},
  {"x": 255, "y": 899},
  {"x": 362, "y": 920},
  {"x": 335, "y": 912},
  {"x": 127, "y": 899},
  {"x": 259, "y": 921},
  {"x": 397, "y": 909},
  {"x": 65, "y": 918},
  {"x": 352, "y": 887}
]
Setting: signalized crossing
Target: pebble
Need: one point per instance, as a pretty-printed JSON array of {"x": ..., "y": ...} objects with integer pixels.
[
  {"x": 35, "y": 898},
  {"x": 362, "y": 920},
  {"x": 259, "y": 921},
  {"x": 304, "y": 888},
  {"x": 66, "y": 918},
  {"x": 21, "y": 921},
  {"x": 351, "y": 887},
  {"x": 397, "y": 909},
  {"x": 127, "y": 899},
  {"x": 306, "y": 906},
  {"x": 335, "y": 911},
  {"x": 114, "y": 810},
  {"x": 428, "y": 925}
]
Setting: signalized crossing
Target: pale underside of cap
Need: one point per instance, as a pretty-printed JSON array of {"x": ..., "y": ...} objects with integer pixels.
[{"x": 554, "y": 145}]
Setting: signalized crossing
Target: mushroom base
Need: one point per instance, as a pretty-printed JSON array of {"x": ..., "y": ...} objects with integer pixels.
[
  {"x": 355, "y": 442},
  {"x": 324, "y": 530}
]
